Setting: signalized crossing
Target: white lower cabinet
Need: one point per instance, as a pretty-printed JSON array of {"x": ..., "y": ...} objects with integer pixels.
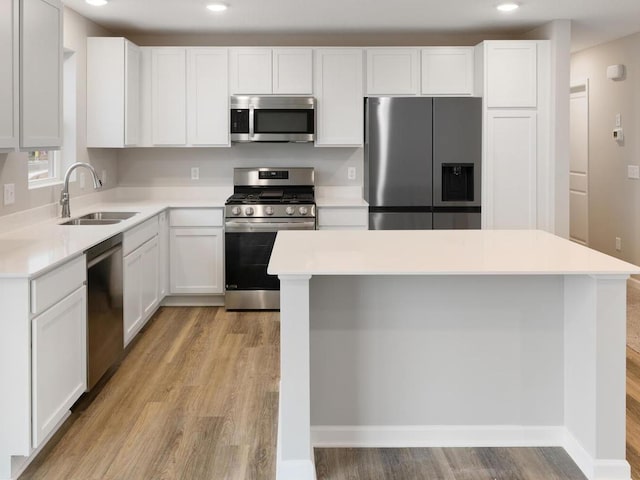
[
  {"x": 197, "y": 261},
  {"x": 163, "y": 252},
  {"x": 141, "y": 287},
  {"x": 59, "y": 362}
]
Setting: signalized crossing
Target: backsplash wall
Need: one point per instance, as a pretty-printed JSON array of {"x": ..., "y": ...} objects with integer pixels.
[{"x": 172, "y": 166}]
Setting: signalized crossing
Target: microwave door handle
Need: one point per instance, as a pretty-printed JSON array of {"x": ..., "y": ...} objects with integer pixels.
[{"x": 251, "y": 119}]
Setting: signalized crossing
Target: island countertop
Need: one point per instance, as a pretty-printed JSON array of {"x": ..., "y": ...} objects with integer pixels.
[{"x": 437, "y": 252}]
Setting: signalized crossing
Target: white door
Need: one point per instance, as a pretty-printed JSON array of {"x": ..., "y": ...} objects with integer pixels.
[
  {"x": 196, "y": 260},
  {"x": 207, "y": 96},
  {"x": 150, "y": 276},
  {"x": 292, "y": 71},
  {"x": 59, "y": 357},
  {"x": 8, "y": 73},
  {"x": 41, "y": 74},
  {"x": 447, "y": 71},
  {"x": 132, "y": 94},
  {"x": 168, "y": 96},
  {"x": 579, "y": 164},
  {"x": 163, "y": 253},
  {"x": 250, "y": 71},
  {"x": 509, "y": 173},
  {"x": 393, "y": 71}
]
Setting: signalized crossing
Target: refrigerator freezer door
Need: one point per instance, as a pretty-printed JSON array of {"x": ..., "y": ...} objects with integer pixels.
[
  {"x": 457, "y": 148},
  {"x": 400, "y": 221},
  {"x": 398, "y": 152},
  {"x": 456, "y": 221}
]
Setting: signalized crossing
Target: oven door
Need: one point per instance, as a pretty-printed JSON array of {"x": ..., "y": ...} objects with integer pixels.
[{"x": 248, "y": 246}]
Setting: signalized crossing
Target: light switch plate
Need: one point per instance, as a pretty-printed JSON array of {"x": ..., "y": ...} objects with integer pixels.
[{"x": 633, "y": 171}]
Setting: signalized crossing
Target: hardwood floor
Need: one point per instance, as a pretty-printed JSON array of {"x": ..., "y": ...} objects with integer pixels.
[
  {"x": 633, "y": 412},
  {"x": 196, "y": 398}
]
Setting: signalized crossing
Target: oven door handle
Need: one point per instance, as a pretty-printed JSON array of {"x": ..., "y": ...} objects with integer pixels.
[
  {"x": 251, "y": 120},
  {"x": 241, "y": 227}
]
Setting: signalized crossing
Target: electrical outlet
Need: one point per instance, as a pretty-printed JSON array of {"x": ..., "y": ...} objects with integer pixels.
[
  {"x": 633, "y": 171},
  {"x": 82, "y": 180},
  {"x": 618, "y": 244},
  {"x": 351, "y": 173},
  {"x": 195, "y": 173},
  {"x": 9, "y": 193}
]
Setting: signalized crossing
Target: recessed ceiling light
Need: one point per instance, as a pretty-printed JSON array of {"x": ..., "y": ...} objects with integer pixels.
[
  {"x": 97, "y": 3},
  {"x": 508, "y": 7},
  {"x": 217, "y": 7}
]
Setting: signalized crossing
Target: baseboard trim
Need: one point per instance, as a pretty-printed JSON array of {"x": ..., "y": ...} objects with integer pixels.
[
  {"x": 595, "y": 469},
  {"x": 193, "y": 301},
  {"x": 401, "y": 436},
  {"x": 417, "y": 436}
]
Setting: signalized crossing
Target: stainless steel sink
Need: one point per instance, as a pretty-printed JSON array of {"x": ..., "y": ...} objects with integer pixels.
[
  {"x": 91, "y": 221},
  {"x": 108, "y": 215}
]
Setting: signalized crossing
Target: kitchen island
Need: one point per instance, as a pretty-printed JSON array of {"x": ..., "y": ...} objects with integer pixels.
[{"x": 450, "y": 338}]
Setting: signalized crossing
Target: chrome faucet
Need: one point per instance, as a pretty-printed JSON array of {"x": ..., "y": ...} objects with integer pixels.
[{"x": 64, "y": 195}]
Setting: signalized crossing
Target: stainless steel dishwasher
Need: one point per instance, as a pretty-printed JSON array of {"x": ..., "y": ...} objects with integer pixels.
[{"x": 105, "y": 341}]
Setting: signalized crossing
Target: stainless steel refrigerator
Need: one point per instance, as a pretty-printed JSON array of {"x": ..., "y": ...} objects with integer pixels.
[{"x": 423, "y": 162}]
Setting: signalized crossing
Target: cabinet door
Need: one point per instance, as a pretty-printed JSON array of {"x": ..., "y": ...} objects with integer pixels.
[
  {"x": 168, "y": 96},
  {"x": 392, "y": 71},
  {"x": 150, "y": 277},
  {"x": 292, "y": 71},
  {"x": 8, "y": 73},
  {"x": 59, "y": 362},
  {"x": 250, "y": 70},
  {"x": 339, "y": 92},
  {"x": 208, "y": 96},
  {"x": 511, "y": 74},
  {"x": 132, "y": 281},
  {"x": 509, "y": 177},
  {"x": 163, "y": 252},
  {"x": 447, "y": 71},
  {"x": 196, "y": 260},
  {"x": 40, "y": 74},
  {"x": 131, "y": 94}
]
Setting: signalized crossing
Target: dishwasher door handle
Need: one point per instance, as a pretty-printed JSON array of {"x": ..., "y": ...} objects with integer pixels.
[{"x": 106, "y": 254}]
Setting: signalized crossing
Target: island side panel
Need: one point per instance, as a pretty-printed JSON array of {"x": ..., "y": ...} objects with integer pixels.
[
  {"x": 295, "y": 459},
  {"x": 595, "y": 369},
  {"x": 482, "y": 355}
]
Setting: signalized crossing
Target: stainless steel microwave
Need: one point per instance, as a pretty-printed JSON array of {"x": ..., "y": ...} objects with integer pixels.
[{"x": 272, "y": 119}]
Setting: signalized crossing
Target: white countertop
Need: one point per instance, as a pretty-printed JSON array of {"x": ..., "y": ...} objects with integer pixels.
[
  {"x": 30, "y": 251},
  {"x": 437, "y": 252}
]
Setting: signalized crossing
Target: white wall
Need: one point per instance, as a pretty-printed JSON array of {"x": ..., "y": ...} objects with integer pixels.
[
  {"x": 13, "y": 166},
  {"x": 172, "y": 166},
  {"x": 614, "y": 200}
]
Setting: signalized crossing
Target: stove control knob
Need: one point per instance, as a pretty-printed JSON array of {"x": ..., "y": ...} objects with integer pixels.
[
  {"x": 236, "y": 210},
  {"x": 290, "y": 210},
  {"x": 303, "y": 210},
  {"x": 268, "y": 210},
  {"x": 248, "y": 211}
]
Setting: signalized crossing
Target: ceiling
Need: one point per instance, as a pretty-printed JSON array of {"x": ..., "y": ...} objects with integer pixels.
[{"x": 593, "y": 21}]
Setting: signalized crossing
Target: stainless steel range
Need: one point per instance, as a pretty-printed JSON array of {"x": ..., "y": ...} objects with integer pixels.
[{"x": 264, "y": 201}]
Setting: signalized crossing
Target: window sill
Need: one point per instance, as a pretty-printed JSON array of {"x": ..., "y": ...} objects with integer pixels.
[{"x": 45, "y": 183}]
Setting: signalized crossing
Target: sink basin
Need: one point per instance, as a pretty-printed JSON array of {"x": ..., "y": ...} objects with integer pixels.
[
  {"x": 108, "y": 215},
  {"x": 91, "y": 221}
]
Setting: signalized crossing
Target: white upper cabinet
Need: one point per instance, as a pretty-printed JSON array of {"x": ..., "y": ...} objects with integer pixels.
[
  {"x": 447, "y": 71},
  {"x": 292, "y": 71},
  {"x": 511, "y": 74},
  {"x": 8, "y": 74},
  {"x": 113, "y": 92},
  {"x": 393, "y": 71},
  {"x": 207, "y": 97},
  {"x": 265, "y": 71},
  {"x": 250, "y": 71},
  {"x": 168, "y": 96},
  {"x": 40, "y": 74},
  {"x": 338, "y": 87}
]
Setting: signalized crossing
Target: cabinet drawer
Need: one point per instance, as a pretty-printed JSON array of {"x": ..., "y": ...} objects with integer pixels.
[
  {"x": 330, "y": 217},
  {"x": 196, "y": 217},
  {"x": 138, "y": 235},
  {"x": 53, "y": 286}
]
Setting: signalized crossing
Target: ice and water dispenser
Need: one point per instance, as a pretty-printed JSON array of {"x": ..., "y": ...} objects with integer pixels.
[{"x": 457, "y": 182}]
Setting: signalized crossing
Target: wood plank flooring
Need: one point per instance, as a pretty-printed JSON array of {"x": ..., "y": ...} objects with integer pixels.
[
  {"x": 633, "y": 412},
  {"x": 196, "y": 398}
]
